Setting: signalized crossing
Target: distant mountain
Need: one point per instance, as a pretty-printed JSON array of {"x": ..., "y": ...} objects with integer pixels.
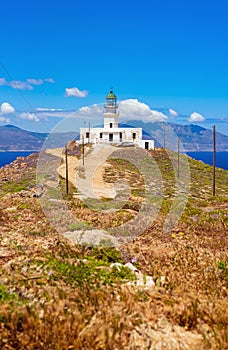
[
  {"x": 14, "y": 138},
  {"x": 193, "y": 137}
]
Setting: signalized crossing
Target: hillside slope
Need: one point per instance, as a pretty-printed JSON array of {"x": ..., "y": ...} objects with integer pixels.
[{"x": 58, "y": 295}]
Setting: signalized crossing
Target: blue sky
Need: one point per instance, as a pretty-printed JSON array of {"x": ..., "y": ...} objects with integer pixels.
[{"x": 158, "y": 55}]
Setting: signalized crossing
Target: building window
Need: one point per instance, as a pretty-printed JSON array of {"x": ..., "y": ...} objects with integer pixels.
[
  {"x": 101, "y": 135},
  {"x": 110, "y": 125},
  {"x": 121, "y": 136},
  {"x": 134, "y": 135},
  {"x": 87, "y": 135}
]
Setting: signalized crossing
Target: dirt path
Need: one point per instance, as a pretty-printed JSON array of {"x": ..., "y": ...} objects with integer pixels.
[{"x": 88, "y": 179}]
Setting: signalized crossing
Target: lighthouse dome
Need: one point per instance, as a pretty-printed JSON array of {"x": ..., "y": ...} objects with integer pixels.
[{"x": 111, "y": 95}]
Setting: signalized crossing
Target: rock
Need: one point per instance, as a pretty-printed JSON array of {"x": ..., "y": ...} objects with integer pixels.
[
  {"x": 131, "y": 267},
  {"x": 37, "y": 194},
  {"x": 117, "y": 265}
]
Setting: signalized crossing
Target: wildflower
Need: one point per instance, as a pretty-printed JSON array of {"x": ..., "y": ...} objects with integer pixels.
[
  {"x": 133, "y": 260},
  {"x": 173, "y": 235}
]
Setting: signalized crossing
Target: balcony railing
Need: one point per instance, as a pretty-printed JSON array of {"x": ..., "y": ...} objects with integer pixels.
[{"x": 113, "y": 110}]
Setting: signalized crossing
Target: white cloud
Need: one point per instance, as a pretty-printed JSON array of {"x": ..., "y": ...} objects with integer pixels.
[
  {"x": 30, "y": 116},
  {"x": 94, "y": 111},
  {"x": 40, "y": 109},
  {"x": 35, "y": 81},
  {"x": 196, "y": 117},
  {"x": 173, "y": 113},
  {"x": 3, "y": 82},
  {"x": 6, "y": 108},
  {"x": 49, "y": 80},
  {"x": 74, "y": 91},
  {"x": 20, "y": 85},
  {"x": 4, "y": 120},
  {"x": 24, "y": 85},
  {"x": 133, "y": 109}
]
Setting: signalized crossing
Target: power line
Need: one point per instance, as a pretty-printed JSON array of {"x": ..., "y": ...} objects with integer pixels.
[{"x": 19, "y": 91}]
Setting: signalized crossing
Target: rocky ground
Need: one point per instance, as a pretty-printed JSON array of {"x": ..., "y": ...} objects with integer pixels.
[{"x": 58, "y": 295}]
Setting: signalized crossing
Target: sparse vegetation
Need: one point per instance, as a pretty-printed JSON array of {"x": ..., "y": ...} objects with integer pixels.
[{"x": 56, "y": 295}]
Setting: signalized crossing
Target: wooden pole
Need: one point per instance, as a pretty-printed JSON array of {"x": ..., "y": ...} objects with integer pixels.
[
  {"x": 66, "y": 158},
  {"x": 214, "y": 158},
  {"x": 164, "y": 135},
  {"x": 83, "y": 151},
  {"x": 89, "y": 134},
  {"x": 178, "y": 158}
]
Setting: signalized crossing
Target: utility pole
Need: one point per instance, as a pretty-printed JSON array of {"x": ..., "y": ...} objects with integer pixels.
[
  {"x": 89, "y": 134},
  {"x": 66, "y": 159},
  {"x": 178, "y": 158},
  {"x": 214, "y": 158},
  {"x": 83, "y": 151},
  {"x": 164, "y": 146}
]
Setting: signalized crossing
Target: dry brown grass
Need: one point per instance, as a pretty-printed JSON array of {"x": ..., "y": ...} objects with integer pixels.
[{"x": 43, "y": 308}]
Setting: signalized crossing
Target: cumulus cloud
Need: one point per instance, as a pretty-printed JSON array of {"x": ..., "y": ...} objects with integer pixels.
[
  {"x": 173, "y": 113},
  {"x": 129, "y": 110},
  {"x": 30, "y": 116},
  {"x": 6, "y": 108},
  {"x": 196, "y": 117},
  {"x": 74, "y": 91},
  {"x": 24, "y": 85},
  {"x": 91, "y": 111},
  {"x": 4, "y": 120},
  {"x": 133, "y": 109}
]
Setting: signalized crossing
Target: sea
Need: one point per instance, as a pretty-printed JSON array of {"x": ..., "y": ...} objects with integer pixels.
[
  {"x": 206, "y": 157},
  {"x": 8, "y": 157}
]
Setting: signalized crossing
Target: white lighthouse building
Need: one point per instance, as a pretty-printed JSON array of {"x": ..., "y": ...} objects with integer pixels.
[{"x": 111, "y": 133}]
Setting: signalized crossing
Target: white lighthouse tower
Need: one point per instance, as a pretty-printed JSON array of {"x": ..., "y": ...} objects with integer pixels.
[{"x": 111, "y": 114}]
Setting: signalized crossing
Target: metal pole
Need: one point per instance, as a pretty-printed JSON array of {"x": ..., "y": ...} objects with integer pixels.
[
  {"x": 178, "y": 158},
  {"x": 214, "y": 158},
  {"x": 66, "y": 158}
]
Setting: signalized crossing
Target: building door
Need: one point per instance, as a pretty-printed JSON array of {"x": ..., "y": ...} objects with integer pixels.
[
  {"x": 146, "y": 145},
  {"x": 110, "y": 137},
  {"x": 121, "y": 136}
]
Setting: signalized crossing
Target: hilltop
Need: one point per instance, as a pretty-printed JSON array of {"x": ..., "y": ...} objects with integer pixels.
[{"x": 55, "y": 294}]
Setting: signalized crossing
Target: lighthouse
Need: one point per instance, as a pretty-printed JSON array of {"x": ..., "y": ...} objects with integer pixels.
[
  {"x": 111, "y": 133},
  {"x": 111, "y": 114}
]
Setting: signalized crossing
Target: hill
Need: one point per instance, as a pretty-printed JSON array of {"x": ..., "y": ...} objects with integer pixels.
[
  {"x": 55, "y": 294},
  {"x": 14, "y": 138},
  {"x": 193, "y": 137}
]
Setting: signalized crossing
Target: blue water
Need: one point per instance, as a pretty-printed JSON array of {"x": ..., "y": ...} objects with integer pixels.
[
  {"x": 8, "y": 157},
  {"x": 207, "y": 157}
]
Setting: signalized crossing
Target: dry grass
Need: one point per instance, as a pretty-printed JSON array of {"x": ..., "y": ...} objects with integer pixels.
[{"x": 42, "y": 305}]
